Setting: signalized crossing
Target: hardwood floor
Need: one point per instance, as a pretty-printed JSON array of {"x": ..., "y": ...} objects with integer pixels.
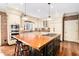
[
  {"x": 8, "y": 50},
  {"x": 69, "y": 49},
  {"x": 66, "y": 49}
]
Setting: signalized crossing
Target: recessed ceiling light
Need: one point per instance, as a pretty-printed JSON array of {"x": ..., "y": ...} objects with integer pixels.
[{"x": 38, "y": 10}]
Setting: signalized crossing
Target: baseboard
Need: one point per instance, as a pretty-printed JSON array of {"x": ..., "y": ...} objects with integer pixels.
[{"x": 70, "y": 41}]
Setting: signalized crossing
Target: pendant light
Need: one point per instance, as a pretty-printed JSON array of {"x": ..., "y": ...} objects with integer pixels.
[
  {"x": 24, "y": 16},
  {"x": 49, "y": 17}
]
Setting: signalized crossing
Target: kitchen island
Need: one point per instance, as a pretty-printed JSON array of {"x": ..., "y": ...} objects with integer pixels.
[{"x": 46, "y": 44}]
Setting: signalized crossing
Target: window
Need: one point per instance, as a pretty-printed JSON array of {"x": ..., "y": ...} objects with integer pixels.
[
  {"x": 45, "y": 23},
  {"x": 28, "y": 26}
]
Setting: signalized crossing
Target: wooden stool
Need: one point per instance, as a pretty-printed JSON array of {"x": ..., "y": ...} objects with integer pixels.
[{"x": 21, "y": 49}]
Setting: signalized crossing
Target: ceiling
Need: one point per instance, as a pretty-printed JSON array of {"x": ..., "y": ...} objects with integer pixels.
[{"x": 41, "y": 10}]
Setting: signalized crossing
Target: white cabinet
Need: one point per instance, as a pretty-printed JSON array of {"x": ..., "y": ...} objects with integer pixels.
[
  {"x": 71, "y": 30},
  {"x": 13, "y": 19},
  {"x": 55, "y": 25}
]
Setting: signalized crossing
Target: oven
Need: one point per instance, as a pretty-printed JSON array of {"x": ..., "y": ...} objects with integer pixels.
[{"x": 14, "y": 30}]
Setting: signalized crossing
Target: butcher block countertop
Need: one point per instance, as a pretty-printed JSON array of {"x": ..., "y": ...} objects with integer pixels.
[{"x": 36, "y": 40}]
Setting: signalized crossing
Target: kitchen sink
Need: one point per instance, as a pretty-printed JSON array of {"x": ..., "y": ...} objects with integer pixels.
[{"x": 50, "y": 34}]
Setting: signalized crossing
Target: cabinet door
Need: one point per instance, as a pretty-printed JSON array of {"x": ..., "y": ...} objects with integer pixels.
[
  {"x": 71, "y": 30},
  {"x": 13, "y": 19}
]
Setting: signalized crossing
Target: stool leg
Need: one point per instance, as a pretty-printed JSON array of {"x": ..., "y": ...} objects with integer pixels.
[
  {"x": 15, "y": 51},
  {"x": 17, "y": 48},
  {"x": 20, "y": 49}
]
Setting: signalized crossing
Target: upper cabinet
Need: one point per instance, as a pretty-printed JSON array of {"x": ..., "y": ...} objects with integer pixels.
[{"x": 13, "y": 19}]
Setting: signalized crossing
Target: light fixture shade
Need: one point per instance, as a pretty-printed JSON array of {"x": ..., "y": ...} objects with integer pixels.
[
  {"x": 24, "y": 17},
  {"x": 49, "y": 18}
]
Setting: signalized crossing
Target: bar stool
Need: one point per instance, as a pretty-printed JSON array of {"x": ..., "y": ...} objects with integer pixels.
[
  {"x": 25, "y": 50},
  {"x": 17, "y": 48},
  {"x": 21, "y": 49}
]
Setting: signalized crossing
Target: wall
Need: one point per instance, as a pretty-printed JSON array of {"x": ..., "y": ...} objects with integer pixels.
[
  {"x": 3, "y": 28},
  {"x": 55, "y": 24}
]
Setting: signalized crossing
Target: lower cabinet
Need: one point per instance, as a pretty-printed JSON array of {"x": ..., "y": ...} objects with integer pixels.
[{"x": 53, "y": 47}]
